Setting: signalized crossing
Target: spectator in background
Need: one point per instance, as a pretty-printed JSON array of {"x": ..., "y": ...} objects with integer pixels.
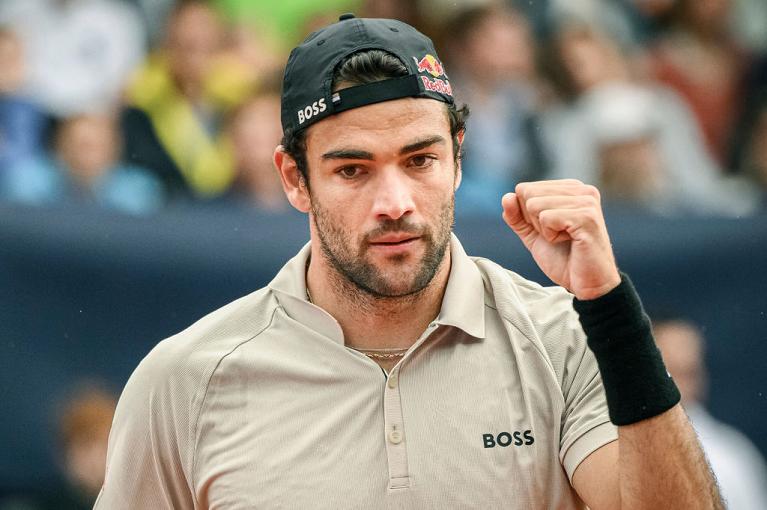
[
  {"x": 604, "y": 103},
  {"x": 255, "y": 131},
  {"x": 85, "y": 167},
  {"x": 491, "y": 54},
  {"x": 83, "y": 434},
  {"x": 22, "y": 124},
  {"x": 629, "y": 160},
  {"x": 699, "y": 58},
  {"x": 737, "y": 464},
  {"x": 83, "y": 423},
  {"x": 186, "y": 89},
  {"x": 79, "y": 52},
  {"x": 618, "y": 18}
]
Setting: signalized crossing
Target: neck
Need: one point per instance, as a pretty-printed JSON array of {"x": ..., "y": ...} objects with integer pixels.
[{"x": 372, "y": 322}]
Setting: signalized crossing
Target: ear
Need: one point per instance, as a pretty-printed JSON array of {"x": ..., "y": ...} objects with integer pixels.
[
  {"x": 458, "y": 170},
  {"x": 292, "y": 181}
]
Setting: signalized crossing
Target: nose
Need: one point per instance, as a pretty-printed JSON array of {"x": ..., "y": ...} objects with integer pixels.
[{"x": 393, "y": 194}]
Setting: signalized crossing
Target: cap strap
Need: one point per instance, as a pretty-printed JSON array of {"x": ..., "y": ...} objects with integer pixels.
[{"x": 376, "y": 92}]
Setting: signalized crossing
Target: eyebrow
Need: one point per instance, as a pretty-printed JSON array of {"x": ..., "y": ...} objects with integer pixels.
[
  {"x": 348, "y": 154},
  {"x": 360, "y": 154},
  {"x": 422, "y": 144}
]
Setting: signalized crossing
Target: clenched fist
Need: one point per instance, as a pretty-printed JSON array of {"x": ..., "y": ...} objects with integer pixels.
[{"x": 562, "y": 225}]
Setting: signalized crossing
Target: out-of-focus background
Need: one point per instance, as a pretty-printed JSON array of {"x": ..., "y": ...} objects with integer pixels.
[{"x": 137, "y": 191}]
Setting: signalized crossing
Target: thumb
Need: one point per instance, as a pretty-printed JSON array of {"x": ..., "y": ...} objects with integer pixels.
[{"x": 512, "y": 215}]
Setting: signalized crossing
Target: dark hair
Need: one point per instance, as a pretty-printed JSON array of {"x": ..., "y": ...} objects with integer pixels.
[{"x": 368, "y": 66}]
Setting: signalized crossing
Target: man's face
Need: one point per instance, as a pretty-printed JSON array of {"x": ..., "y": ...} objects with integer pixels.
[
  {"x": 194, "y": 39},
  {"x": 682, "y": 348},
  {"x": 89, "y": 146},
  {"x": 382, "y": 180}
]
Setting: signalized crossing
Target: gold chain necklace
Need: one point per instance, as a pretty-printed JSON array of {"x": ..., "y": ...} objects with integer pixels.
[{"x": 384, "y": 354}]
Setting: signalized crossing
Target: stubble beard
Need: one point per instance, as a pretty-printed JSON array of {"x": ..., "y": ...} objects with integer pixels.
[{"x": 360, "y": 279}]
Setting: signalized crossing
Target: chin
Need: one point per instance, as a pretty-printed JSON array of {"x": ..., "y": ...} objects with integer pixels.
[{"x": 392, "y": 286}]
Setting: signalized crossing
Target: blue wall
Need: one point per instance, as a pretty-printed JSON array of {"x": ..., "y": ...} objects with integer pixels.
[{"x": 87, "y": 294}]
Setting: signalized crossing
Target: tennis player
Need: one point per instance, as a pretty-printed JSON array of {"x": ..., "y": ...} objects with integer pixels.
[{"x": 383, "y": 367}]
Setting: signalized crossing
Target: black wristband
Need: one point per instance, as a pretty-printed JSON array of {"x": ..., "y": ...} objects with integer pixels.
[{"x": 618, "y": 331}]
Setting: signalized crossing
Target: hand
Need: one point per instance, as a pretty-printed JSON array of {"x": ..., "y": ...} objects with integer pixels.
[{"x": 562, "y": 225}]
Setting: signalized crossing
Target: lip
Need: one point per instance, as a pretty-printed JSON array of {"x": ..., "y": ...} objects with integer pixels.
[
  {"x": 394, "y": 244},
  {"x": 393, "y": 239}
]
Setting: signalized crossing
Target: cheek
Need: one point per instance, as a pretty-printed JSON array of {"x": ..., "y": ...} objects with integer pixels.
[{"x": 339, "y": 216}]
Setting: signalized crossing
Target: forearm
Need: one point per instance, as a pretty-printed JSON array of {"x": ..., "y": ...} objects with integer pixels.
[{"x": 662, "y": 465}]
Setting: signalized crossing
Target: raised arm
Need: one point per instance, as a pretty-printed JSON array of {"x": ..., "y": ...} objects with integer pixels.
[{"x": 657, "y": 461}]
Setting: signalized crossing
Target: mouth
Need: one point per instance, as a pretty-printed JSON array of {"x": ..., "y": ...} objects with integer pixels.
[
  {"x": 394, "y": 240},
  {"x": 394, "y": 244}
]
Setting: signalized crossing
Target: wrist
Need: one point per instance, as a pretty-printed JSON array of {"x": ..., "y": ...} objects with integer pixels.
[
  {"x": 601, "y": 290},
  {"x": 637, "y": 385}
]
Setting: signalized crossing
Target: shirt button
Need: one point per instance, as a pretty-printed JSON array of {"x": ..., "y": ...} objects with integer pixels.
[
  {"x": 392, "y": 382},
  {"x": 395, "y": 436}
]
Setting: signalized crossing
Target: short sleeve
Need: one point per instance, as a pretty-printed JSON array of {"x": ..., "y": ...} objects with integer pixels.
[
  {"x": 149, "y": 441},
  {"x": 585, "y": 422}
]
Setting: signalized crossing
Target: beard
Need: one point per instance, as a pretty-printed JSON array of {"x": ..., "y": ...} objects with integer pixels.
[{"x": 350, "y": 260}]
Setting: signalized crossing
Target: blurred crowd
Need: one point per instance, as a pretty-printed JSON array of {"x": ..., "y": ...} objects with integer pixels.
[{"x": 138, "y": 105}]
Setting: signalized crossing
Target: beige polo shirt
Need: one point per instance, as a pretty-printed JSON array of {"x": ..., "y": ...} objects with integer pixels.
[{"x": 261, "y": 405}]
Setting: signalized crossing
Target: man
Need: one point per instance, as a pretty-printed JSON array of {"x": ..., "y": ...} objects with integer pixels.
[{"x": 383, "y": 367}]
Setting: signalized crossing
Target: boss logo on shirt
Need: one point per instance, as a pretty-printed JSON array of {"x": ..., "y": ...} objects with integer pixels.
[{"x": 504, "y": 439}]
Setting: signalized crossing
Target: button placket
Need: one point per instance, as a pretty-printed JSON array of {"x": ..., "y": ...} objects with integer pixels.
[{"x": 396, "y": 442}]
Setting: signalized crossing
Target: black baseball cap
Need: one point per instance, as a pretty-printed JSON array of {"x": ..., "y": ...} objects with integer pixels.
[{"x": 307, "y": 95}]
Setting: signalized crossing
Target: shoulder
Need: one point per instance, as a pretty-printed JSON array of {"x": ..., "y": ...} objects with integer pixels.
[
  {"x": 179, "y": 367},
  {"x": 133, "y": 177},
  {"x": 219, "y": 332},
  {"x": 543, "y": 315},
  {"x": 152, "y": 441},
  {"x": 33, "y": 180},
  {"x": 516, "y": 297}
]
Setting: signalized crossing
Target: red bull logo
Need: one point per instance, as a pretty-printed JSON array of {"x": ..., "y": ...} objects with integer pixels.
[
  {"x": 437, "y": 85},
  {"x": 431, "y": 65}
]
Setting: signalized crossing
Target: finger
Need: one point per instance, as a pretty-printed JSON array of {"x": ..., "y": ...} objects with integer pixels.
[
  {"x": 522, "y": 191},
  {"x": 556, "y": 188},
  {"x": 557, "y": 182},
  {"x": 564, "y": 187},
  {"x": 580, "y": 224},
  {"x": 537, "y": 204},
  {"x": 512, "y": 215}
]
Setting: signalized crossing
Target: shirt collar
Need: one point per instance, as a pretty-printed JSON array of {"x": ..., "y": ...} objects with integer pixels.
[
  {"x": 462, "y": 305},
  {"x": 289, "y": 287}
]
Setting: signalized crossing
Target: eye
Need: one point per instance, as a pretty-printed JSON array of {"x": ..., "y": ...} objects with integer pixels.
[
  {"x": 422, "y": 160},
  {"x": 348, "y": 172}
]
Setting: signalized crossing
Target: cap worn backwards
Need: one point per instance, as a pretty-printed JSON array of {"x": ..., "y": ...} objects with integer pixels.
[{"x": 307, "y": 95}]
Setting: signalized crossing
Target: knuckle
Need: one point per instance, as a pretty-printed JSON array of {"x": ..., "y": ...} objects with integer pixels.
[
  {"x": 534, "y": 205},
  {"x": 546, "y": 217},
  {"x": 592, "y": 191},
  {"x": 591, "y": 215},
  {"x": 590, "y": 200}
]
